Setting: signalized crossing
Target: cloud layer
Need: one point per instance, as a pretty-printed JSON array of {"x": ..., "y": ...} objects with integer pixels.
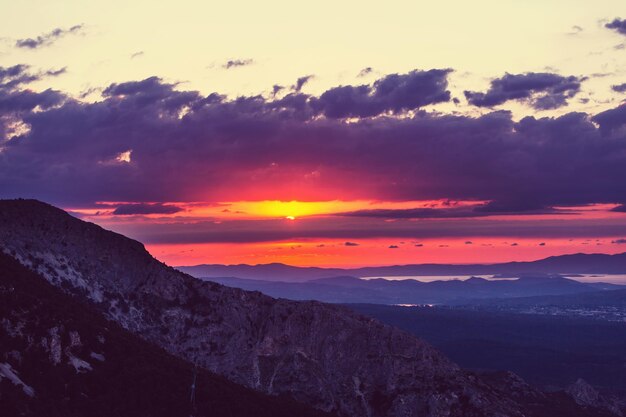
[
  {"x": 180, "y": 145},
  {"x": 541, "y": 90}
]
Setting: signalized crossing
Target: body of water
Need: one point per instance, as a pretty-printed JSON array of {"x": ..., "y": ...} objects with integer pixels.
[{"x": 609, "y": 278}]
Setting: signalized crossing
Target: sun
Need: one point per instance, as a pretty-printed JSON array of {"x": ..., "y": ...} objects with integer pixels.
[{"x": 289, "y": 210}]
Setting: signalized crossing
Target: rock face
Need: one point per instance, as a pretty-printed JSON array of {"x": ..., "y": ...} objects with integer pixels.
[
  {"x": 59, "y": 357},
  {"x": 586, "y": 396},
  {"x": 323, "y": 355}
]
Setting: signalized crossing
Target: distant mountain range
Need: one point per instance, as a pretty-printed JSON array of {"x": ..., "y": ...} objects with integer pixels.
[
  {"x": 579, "y": 263},
  {"x": 380, "y": 291},
  {"x": 321, "y": 355}
]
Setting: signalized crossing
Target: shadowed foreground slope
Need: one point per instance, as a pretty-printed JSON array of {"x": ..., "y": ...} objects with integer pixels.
[{"x": 59, "y": 357}]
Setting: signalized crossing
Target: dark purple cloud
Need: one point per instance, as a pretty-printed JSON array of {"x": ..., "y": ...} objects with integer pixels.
[
  {"x": 349, "y": 231},
  {"x": 620, "y": 209},
  {"x": 47, "y": 39},
  {"x": 185, "y": 146},
  {"x": 146, "y": 208},
  {"x": 620, "y": 88},
  {"x": 21, "y": 101},
  {"x": 612, "y": 119},
  {"x": 541, "y": 90},
  {"x": 618, "y": 25},
  {"x": 300, "y": 82},
  {"x": 393, "y": 93},
  {"x": 276, "y": 88},
  {"x": 481, "y": 210},
  {"x": 15, "y": 76},
  {"x": 15, "y": 99}
]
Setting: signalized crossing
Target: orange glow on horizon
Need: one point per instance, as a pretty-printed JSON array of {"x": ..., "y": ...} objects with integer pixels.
[
  {"x": 378, "y": 251},
  {"x": 267, "y": 208},
  {"x": 300, "y": 220}
]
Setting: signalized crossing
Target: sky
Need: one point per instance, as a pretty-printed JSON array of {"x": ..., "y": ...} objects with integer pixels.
[{"x": 328, "y": 134}]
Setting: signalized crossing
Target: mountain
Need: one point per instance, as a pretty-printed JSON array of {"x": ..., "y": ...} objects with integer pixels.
[
  {"x": 267, "y": 272},
  {"x": 323, "y": 355},
  {"x": 60, "y": 357},
  {"x": 409, "y": 291},
  {"x": 579, "y": 263}
]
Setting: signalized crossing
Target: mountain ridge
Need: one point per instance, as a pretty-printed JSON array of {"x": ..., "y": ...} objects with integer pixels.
[
  {"x": 65, "y": 359},
  {"x": 568, "y": 263},
  {"x": 409, "y": 291}
]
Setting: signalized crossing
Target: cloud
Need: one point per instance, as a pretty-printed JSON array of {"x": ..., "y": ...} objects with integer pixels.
[
  {"x": 137, "y": 54},
  {"x": 393, "y": 246},
  {"x": 16, "y": 75},
  {"x": 611, "y": 119},
  {"x": 56, "y": 73},
  {"x": 16, "y": 99},
  {"x": 476, "y": 210},
  {"x": 540, "y": 90},
  {"x": 393, "y": 93},
  {"x": 619, "y": 241},
  {"x": 618, "y": 25},
  {"x": 575, "y": 30},
  {"x": 146, "y": 208},
  {"x": 620, "y": 88},
  {"x": 300, "y": 82},
  {"x": 276, "y": 89},
  {"x": 365, "y": 71},
  {"x": 235, "y": 63},
  {"x": 188, "y": 146},
  {"x": 19, "y": 75},
  {"x": 47, "y": 39},
  {"x": 352, "y": 230},
  {"x": 620, "y": 209}
]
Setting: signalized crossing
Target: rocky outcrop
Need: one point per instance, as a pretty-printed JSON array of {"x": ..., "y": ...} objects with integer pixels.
[
  {"x": 586, "y": 396},
  {"x": 323, "y": 355},
  {"x": 60, "y": 357}
]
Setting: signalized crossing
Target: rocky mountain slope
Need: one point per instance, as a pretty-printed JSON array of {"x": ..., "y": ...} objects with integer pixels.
[
  {"x": 59, "y": 357},
  {"x": 323, "y": 355}
]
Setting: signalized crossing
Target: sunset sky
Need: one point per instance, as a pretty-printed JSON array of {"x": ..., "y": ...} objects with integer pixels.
[{"x": 327, "y": 133}]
